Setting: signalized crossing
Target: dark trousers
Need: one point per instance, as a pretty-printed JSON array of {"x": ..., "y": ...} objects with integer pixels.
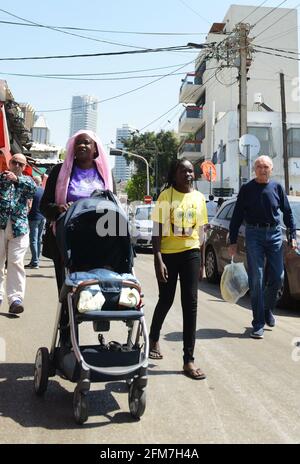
[{"x": 186, "y": 265}]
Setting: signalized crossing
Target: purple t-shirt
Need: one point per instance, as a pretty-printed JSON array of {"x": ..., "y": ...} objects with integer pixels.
[{"x": 83, "y": 183}]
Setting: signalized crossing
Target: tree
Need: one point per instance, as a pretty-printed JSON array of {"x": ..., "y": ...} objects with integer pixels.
[
  {"x": 159, "y": 150},
  {"x": 135, "y": 187}
]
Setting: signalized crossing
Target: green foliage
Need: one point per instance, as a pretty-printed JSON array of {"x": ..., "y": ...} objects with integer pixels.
[
  {"x": 159, "y": 150},
  {"x": 136, "y": 187}
]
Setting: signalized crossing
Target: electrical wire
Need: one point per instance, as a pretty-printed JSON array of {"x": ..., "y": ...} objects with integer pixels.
[
  {"x": 106, "y": 31},
  {"x": 90, "y": 55},
  {"x": 194, "y": 11},
  {"x": 164, "y": 114},
  {"x": 116, "y": 96},
  {"x": 33, "y": 23},
  {"x": 268, "y": 14},
  {"x": 278, "y": 55},
  {"x": 278, "y": 50},
  {"x": 89, "y": 78},
  {"x": 280, "y": 19}
]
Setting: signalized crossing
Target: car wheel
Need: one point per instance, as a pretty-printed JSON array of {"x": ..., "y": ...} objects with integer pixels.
[
  {"x": 284, "y": 298},
  {"x": 211, "y": 266}
]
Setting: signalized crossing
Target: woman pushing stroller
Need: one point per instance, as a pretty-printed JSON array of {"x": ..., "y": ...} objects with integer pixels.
[{"x": 85, "y": 169}]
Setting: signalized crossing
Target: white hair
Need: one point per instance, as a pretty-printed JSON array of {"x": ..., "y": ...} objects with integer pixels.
[{"x": 265, "y": 159}]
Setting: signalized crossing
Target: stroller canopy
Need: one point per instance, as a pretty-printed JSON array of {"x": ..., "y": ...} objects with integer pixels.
[{"x": 94, "y": 233}]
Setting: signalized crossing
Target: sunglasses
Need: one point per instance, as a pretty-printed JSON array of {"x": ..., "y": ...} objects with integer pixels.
[{"x": 17, "y": 163}]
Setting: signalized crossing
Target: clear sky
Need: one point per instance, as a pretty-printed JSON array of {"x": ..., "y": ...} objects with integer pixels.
[{"x": 138, "y": 108}]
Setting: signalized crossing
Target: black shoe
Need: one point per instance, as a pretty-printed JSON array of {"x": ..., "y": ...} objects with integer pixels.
[
  {"x": 31, "y": 266},
  {"x": 16, "y": 307}
]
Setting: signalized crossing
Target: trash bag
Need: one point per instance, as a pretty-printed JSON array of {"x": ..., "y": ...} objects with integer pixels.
[{"x": 234, "y": 282}]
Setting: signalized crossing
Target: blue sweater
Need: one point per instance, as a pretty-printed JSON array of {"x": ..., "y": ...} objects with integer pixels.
[{"x": 261, "y": 203}]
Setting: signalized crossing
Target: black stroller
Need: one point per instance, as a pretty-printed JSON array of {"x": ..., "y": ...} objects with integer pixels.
[{"x": 100, "y": 287}]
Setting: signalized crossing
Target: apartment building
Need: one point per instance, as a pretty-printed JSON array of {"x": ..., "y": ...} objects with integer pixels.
[{"x": 211, "y": 95}]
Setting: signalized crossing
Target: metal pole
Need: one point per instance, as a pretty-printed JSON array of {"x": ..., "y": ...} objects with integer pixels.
[
  {"x": 248, "y": 155},
  {"x": 221, "y": 159},
  {"x": 210, "y": 184},
  {"x": 284, "y": 135},
  {"x": 142, "y": 158}
]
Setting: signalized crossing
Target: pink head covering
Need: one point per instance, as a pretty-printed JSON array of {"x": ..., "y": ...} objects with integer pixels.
[{"x": 101, "y": 162}]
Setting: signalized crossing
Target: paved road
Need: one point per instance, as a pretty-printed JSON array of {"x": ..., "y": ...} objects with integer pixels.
[{"x": 251, "y": 394}]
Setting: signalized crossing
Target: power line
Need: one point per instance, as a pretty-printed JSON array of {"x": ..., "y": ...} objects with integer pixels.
[
  {"x": 280, "y": 19},
  {"x": 278, "y": 49},
  {"x": 270, "y": 12},
  {"x": 89, "y": 55},
  {"x": 194, "y": 11},
  {"x": 115, "y": 96},
  {"x": 277, "y": 54},
  {"x": 80, "y": 75},
  {"x": 164, "y": 114},
  {"x": 33, "y": 23},
  {"x": 106, "y": 31},
  {"x": 89, "y": 78}
]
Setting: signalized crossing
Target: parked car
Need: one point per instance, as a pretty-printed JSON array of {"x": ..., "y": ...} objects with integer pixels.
[
  {"x": 141, "y": 226},
  {"x": 216, "y": 250}
]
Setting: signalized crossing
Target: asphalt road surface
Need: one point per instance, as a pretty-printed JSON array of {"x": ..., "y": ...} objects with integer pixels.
[{"x": 250, "y": 395}]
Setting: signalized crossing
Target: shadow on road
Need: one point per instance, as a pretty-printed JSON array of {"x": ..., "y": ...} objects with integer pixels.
[
  {"x": 54, "y": 411},
  {"x": 214, "y": 290}
]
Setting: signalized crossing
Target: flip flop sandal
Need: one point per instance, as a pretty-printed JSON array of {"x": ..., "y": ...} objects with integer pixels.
[
  {"x": 155, "y": 354},
  {"x": 195, "y": 374}
]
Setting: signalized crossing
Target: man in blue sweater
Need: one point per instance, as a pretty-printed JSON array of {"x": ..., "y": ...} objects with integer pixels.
[{"x": 259, "y": 204}]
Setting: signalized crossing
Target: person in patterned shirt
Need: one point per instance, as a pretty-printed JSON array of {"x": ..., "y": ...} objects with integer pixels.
[{"x": 15, "y": 191}]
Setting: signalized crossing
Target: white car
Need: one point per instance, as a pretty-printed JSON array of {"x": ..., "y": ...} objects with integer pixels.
[{"x": 141, "y": 226}]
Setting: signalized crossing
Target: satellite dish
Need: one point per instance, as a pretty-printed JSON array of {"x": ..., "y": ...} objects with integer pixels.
[{"x": 250, "y": 141}]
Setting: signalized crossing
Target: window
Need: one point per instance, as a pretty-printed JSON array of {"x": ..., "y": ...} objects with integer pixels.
[
  {"x": 230, "y": 211},
  {"x": 293, "y": 142},
  {"x": 264, "y": 136},
  {"x": 225, "y": 211}
]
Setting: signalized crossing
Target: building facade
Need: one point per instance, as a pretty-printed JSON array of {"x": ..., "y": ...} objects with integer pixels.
[
  {"x": 28, "y": 115},
  {"x": 84, "y": 113},
  {"x": 40, "y": 131},
  {"x": 123, "y": 171},
  {"x": 211, "y": 93}
]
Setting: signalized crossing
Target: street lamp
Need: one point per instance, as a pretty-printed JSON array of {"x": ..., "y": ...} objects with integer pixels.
[{"x": 120, "y": 152}]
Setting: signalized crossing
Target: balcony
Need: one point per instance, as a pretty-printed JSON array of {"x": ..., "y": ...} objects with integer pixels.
[
  {"x": 191, "y": 89},
  {"x": 190, "y": 150},
  {"x": 191, "y": 119}
]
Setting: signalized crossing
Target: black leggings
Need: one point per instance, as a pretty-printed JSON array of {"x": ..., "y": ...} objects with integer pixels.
[{"x": 185, "y": 264}]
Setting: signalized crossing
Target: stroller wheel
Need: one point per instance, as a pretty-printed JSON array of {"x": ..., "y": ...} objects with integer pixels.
[
  {"x": 136, "y": 400},
  {"x": 80, "y": 406},
  {"x": 41, "y": 371}
]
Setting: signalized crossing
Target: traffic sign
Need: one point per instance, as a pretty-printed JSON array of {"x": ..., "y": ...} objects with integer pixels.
[
  {"x": 251, "y": 143},
  {"x": 147, "y": 199}
]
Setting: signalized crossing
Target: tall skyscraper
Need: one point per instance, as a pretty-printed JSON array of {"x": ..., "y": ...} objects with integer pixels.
[
  {"x": 84, "y": 113},
  {"x": 122, "y": 171},
  {"x": 40, "y": 131},
  {"x": 28, "y": 115}
]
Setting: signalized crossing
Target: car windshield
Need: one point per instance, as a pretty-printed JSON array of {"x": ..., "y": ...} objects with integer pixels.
[
  {"x": 143, "y": 213},
  {"x": 295, "y": 205}
]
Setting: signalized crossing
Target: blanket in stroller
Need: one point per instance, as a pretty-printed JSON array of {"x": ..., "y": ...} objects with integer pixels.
[{"x": 111, "y": 291}]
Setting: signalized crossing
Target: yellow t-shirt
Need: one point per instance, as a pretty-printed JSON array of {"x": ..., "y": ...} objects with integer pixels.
[{"x": 181, "y": 215}]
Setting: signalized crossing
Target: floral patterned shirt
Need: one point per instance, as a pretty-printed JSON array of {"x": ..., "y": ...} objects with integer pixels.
[{"x": 13, "y": 203}]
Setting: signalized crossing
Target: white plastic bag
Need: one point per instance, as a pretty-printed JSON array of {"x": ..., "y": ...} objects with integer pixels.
[{"x": 234, "y": 282}]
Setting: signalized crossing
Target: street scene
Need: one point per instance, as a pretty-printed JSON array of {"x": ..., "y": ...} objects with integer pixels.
[
  {"x": 150, "y": 224},
  {"x": 250, "y": 394}
]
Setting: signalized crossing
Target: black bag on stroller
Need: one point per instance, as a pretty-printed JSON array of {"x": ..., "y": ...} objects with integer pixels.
[{"x": 100, "y": 287}]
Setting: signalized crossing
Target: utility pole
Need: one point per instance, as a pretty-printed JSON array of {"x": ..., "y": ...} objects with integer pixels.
[
  {"x": 284, "y": 135},
  {"x": 243, "y": 42}
]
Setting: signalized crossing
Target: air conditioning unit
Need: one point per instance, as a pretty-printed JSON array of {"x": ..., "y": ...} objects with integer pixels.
[{"x": 258, "y": 99}]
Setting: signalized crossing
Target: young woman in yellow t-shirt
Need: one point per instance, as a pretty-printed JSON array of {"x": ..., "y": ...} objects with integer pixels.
[{"x": 178, "y": 220}]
